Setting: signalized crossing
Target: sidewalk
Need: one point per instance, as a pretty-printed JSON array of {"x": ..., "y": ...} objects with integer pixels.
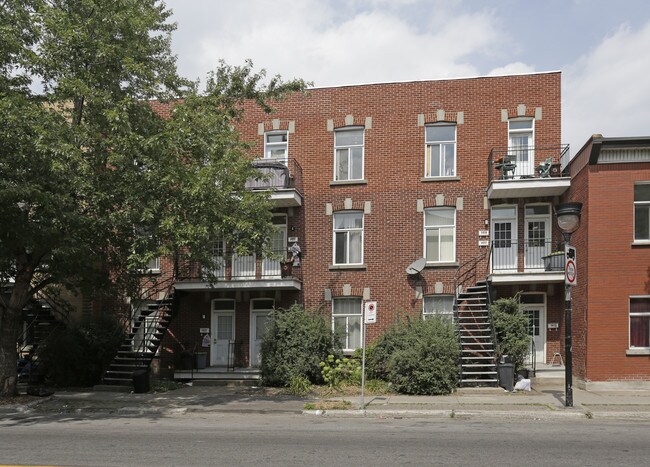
[{"x": 545, "y": 401}]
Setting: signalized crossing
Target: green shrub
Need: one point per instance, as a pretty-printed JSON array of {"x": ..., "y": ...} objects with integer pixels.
[
  {"x": 345, "y": 370},
  {"x": 294, "y": 344},
  {"x": 299, "y": 385},
  {"x": 79, "y": 354},
  {"x": 417, "y": 356},
  {"x": 511, "y": 328}
]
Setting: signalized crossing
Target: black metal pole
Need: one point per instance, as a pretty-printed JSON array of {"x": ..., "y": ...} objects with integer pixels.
[{"x": 568, "y": 360}]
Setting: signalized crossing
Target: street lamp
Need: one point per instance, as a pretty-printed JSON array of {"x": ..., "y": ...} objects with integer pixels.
[{"x": 568, "y": 220}]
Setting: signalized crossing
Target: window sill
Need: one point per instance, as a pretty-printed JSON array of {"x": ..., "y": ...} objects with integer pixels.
[
  {"x": 639, "y": 351},
  {"x": 440, "y": 179},
  {"x": 641, "y": 243},
  {"x": 337, "y": 267},
  {"x": 451, "y": 264},
  {"x": 348, "y": 182}
]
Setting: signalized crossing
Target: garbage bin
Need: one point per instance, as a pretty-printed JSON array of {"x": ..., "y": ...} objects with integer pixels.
[
  {"x": 187, "y": 360},
  {"x": 506, "y": 372},
  {"x": 201, "y": 360},
  {"x": 141, "y": 381}
]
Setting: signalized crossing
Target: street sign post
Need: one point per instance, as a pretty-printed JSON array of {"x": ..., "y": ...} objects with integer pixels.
[{"x": 369, "y": 317}]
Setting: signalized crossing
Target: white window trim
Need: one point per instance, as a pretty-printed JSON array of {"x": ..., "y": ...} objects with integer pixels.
[
  {"x": 268, "y": 146},
  {"x": 424, "y": 235},
  {"x": 363, "y": 154},
  {"x": 347, "y": 230},
  {"x": 347, "y": 348},
  {"x": 427, "y": 148},
  {"x": 449, "y": 314},
  {"x": 640, "y": 350},
  {"x": 640, "y": 241}
]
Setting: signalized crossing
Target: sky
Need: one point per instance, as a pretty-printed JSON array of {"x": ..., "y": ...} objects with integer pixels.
[{"x": 601, "y": 47}]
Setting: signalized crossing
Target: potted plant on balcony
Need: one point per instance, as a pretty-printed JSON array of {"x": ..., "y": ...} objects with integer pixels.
[{"x": 554, "y": 261}]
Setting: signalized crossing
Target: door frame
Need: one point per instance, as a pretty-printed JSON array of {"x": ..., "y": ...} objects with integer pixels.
[
  {"x": 254, "y": 313},
  {"x": 514, "y": 236},
  {"x": 214, "y": 313},
  {"x": 547, "y": 234},
  {"x": 543, "y": 312}
]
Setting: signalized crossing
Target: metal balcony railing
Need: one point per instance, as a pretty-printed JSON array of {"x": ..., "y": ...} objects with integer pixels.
[
  {"x": 526, "y": 162},
  {"x": 510, "y": 255},
  {"x": 276, "y": 173}
]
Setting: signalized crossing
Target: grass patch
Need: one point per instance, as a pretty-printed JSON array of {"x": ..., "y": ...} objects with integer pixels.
[
  {"x": 165, "y": 385},
  {"x": 329, "y": 405}
]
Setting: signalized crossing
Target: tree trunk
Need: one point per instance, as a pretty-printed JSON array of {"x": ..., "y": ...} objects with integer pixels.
[{"x": 10, "y": 329}]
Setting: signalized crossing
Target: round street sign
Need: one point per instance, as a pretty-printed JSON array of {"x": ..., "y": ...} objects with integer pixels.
[{"x": 570, "y": 272}]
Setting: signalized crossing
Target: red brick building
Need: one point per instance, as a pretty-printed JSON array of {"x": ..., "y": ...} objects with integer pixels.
[
  {"x": 611, "y": 302},
  {"x": 456, "y": 178}
]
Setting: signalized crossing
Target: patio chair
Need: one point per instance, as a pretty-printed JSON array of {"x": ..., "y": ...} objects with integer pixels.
[{"x": 544, "y": 169}]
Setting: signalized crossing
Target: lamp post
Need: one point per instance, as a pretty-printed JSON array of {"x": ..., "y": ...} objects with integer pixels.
[{"x": 568, "y": 220}]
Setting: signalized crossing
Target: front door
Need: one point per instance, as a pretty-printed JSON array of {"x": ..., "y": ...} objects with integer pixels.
[
  {"x": 537, "y": 243},
  {"x": 272, "y": 267},
  {"x": 260, "y": 318},
  {"x": 534, "y": 306},
  {"x": 504, "y": 238},
  {"x": 223, "y": 332}
]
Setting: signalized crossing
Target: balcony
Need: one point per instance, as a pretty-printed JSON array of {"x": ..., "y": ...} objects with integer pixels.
[
  {"x": 243, "y": 273},
  {"x": 283, "y": 178},
  {"x": 527, "y": 261},
  {"x": 527, "y": 172}
]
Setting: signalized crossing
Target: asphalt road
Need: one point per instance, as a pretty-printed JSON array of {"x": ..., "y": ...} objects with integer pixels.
[{"x": 251, "y": 439}]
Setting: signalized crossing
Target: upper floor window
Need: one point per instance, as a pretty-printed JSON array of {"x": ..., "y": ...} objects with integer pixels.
[
  {"x": 438, "y": 305},
  {"x": 521, "y": 141},
  {"x": 440, "y": 158},
  {"x": 348, "y": 237},
  {"x": 346, "y": 322},
  {"x": 348, "y": 154},
  {"x": 642, "y": 211},
  {"x": 639, "y": 322},
  {"x": 440, "y": 235},
  {"x": 276, "y": 145}
]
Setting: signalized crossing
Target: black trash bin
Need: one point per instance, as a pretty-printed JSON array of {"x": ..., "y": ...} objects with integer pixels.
[
  {"x": 141, "y": 381},
  {"x": 187, "y": 360},
  {"x": 506, "y": 373}
]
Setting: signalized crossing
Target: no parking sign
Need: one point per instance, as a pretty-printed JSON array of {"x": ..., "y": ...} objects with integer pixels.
[{"x": 370, "y": 313}]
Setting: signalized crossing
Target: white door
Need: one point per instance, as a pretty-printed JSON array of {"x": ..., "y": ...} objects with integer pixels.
[
  {"x": 223, "y": 332},
  {"x": 521, "y": 146},
  {"x": 272, "y": 267},
  {"x": 504, "y": 238},
  {"x": 534, "y": 306},
  {"x": 537, "y": 243},
  {"x": 260, "y": 318}
]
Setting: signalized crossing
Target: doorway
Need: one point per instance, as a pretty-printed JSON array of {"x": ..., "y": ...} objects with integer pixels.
[
  {"x": 537, "y": 243},
  {"x": 261, "y": 309},
  {"x": 223, "y": 332},
  {"x": 504, "y": 238},
  {"x": 533, "y": 305}
]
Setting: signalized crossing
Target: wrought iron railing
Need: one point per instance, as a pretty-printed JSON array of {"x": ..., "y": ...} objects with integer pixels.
[
  {"x": 276, "y": 174},
  {"x": 527, "y": 162},
  {"x": 532, "y": 254}
]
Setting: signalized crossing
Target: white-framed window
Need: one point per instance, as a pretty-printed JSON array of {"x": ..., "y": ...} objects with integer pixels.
[
  {"x": 153, "y": 265},
  {"x": 348, "y": 237},
  {"x": 521, "y": 143},
  {"x": 276, "y": 145},
  {"x": 346, "y": 321},
  {"x": 640, "y": 322},
  {"x": 440, "y": 155},
  {"x": 642, "y": 211},
  {"x": 348, "y": 154},
  {"x": 440, "y": 235},
  {"x": 438, "y": 305}
]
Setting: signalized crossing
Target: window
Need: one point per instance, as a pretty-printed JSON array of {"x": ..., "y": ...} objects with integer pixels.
[
  {"x": 440, "y": 158},
  {"x": 346, "y": 322},
  {"x": 153, "y": 265},
  {"x": 276, "y": 145},
  {"x": 639, "y": 322},
  {"x": 520, "y": 145},
  {"x": 438, "y": 305},
  {"x": 348, "y": 154},
  {"x": 348, "y": 237},
  {"x": 440, "y": 234},
  {"x": 642, "y": 211}
]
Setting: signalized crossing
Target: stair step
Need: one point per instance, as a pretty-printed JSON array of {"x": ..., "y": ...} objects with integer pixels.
[
  {"x": 477, "y": 381},
  {"x": 477, "y": 358},
  {"x": 478, "y": 365}
]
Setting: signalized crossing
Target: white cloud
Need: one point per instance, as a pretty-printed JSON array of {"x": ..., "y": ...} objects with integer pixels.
[
  {"x": 606, "y": 91},
  {"x": 512, "y": 69}
]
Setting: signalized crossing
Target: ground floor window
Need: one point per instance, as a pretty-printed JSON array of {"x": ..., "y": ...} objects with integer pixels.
[
  {"x": 346, "y": 321},
  {"x": 440, "y": 305},
  {"x": 639, "y": 322}
]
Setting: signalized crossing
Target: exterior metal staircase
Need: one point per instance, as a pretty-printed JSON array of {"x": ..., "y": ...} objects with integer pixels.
[
  {"x": 142, "y": 342},
  {"x": 476, "y": 336}
]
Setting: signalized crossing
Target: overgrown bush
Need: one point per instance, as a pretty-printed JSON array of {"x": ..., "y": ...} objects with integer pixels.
[
  {"x": 294, "y": 344},
  {"x": 511, "y": 328},
  {"x": 417, "y": 356},
  {"x": 343, "y": 370},
  {"x": 79, "y": 354}
]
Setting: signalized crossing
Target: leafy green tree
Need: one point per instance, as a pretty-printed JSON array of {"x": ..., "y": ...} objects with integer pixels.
[
  {"x": 108, "y": 158},
  {"x": 511, "y": 328}
]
